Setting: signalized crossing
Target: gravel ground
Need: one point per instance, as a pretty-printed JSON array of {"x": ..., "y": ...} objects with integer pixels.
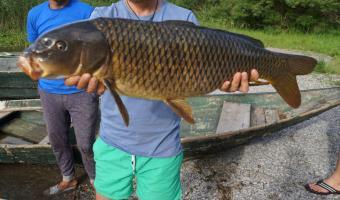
[{"x": 272, "y": 167}]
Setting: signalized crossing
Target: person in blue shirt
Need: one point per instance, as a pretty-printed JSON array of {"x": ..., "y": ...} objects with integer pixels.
[
  {"x": 63, "y": 104},
  {"x": 149, "y": 148}
]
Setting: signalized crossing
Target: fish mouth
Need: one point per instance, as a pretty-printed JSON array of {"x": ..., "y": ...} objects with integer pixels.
[{"x": 32, "y": 58}]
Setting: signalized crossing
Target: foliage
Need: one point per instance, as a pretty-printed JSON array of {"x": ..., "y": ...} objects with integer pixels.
[
  {"x": 303, "y": 15},
  {"x": 13, "y": 13}
]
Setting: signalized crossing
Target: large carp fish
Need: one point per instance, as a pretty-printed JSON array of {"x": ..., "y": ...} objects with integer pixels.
[{"x": 167, "y": 61}]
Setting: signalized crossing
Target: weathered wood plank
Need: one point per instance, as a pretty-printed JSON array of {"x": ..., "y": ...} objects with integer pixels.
[
  {"x": 31, "y": 154},
  {"x": 271, "y": 116},
  {"x": 18, "y": 93},
  {"x": 257, "y": 116},
  {"x": 234, "y": 116},
  {"x": 20, "y": 105},
  {"x": 16, "y": 85},
  {"x": 16, "y": 80},
  {"x": 8, "y": 62},
  {"x": 13, "y": 140},
  {"x": 23, "y": 129}
]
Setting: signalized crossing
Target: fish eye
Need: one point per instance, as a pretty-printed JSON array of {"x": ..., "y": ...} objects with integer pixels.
[{"x": 61, "y": 46}]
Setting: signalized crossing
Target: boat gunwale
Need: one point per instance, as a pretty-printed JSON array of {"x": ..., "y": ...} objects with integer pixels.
[{"x": 4, "y": 109}]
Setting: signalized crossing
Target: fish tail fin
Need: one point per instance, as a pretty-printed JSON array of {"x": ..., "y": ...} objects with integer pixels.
[
  {"x": 301, "y": 65},
  {"x": 286, "y": 84}
]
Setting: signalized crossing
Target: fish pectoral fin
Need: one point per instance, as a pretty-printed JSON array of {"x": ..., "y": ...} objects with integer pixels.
[
  {"x": 181, "y": 108},
  {"x": 119, "y": 102},
  {"x": 258, "y": 83}
]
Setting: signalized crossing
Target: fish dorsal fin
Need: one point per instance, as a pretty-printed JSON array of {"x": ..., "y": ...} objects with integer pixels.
[
  {"x": 179, "y": 23},
  {"x": 119, "y": 102},
  {"x": 252, "y": 40},
  {"x": 181, "y": 108}
]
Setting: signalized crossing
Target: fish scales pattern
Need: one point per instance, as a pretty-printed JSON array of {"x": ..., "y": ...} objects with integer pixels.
[{"x": 166, "y": 60}]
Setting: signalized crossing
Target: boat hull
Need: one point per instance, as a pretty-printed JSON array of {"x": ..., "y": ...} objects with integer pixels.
[{"x": 198, "y": 139}]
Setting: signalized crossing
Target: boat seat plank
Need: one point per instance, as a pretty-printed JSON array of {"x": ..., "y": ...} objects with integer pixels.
[
  {"x": 257, "y": 117},
  {"x": 20, "y": 105},
  {"x": 271, "y": 115},
  {"x": 13, "y": 140},
  {"x": 234, "y": 116},
  {"x": 25, "y": 130}
]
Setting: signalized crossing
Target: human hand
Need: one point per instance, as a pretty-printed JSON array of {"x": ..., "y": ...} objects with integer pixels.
[
  {"x": 29, "y": 70},
  {"x": 240, "y": 82},
  {"x": 86, "y": 81}
]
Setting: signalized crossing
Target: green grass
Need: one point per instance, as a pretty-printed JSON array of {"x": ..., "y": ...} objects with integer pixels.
[
  {"x": 12, "y": 40},
  {"x": 326, "y": 43}
]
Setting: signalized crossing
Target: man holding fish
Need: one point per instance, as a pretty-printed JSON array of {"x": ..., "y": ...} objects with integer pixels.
[
  {"x": 149, "y": 148},
  {"x": 155, "y": 65}
]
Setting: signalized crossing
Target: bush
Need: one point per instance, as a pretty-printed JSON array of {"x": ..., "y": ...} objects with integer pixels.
[
  {"x": 13, "y": 14},
  {"x": 304, "y": 15}
]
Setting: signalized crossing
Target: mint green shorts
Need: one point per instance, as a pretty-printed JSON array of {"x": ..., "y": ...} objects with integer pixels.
[{"x": 156, "y": 178}]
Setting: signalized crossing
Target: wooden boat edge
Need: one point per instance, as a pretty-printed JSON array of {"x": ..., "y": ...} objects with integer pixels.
[
  {"x": 199, "y": 145},
  {"x": 4, "y": 108}
]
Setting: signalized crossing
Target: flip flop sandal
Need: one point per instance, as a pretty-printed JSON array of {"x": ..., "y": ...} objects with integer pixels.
[
  {"x": 54, "y": 190},
  {"x": 323, "y": 185}
]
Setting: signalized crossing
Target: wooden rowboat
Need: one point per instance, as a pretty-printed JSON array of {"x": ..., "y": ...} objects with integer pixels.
[{"x": 222, "y": 121}]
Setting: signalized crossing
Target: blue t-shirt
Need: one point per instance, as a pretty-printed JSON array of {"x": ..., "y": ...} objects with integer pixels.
[
  {"x": 42, "y": 19},
  {"x": 154, "y": 127}
]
